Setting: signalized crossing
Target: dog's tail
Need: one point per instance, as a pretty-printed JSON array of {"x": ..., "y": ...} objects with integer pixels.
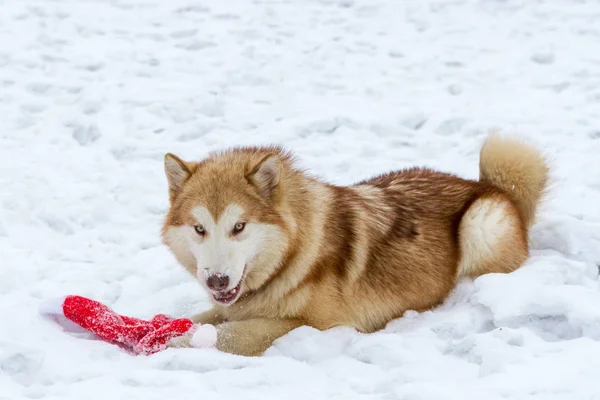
[{"x": 518, "y": 168}]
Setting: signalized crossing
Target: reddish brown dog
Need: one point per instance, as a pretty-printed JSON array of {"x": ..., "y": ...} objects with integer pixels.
[{"x": 278, "y": 249}]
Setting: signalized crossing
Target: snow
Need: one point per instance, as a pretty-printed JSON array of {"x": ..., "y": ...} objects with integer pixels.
[
  {"x": 92, "y": 94},
  {"x": 204, "y": 336}
]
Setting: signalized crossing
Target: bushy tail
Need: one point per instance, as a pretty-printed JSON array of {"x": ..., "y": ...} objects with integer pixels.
[{"x": 516, "y": 167}]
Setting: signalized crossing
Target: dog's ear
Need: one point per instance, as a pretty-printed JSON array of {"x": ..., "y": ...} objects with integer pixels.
[
  {"x": 177, "y": 172},
  {"x": 266, "y": 175}
]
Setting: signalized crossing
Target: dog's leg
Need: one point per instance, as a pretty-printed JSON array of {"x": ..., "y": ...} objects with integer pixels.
[
  {"x": 245, "y": 338},
  {"x": 212, "y": 317},
  {"x": 252, "y": 337}
]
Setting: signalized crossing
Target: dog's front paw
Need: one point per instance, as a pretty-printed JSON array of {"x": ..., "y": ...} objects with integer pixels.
[
  {"x": 181, "y": 341},
  {"x": 199, "y": 336}
]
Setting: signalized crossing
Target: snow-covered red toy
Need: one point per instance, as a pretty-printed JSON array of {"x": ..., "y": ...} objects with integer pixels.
[{"x": 80, "y": 314}]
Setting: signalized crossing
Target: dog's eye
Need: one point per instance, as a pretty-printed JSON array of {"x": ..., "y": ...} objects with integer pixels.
[
  {"x": 239, "y": 227},
  {"x": 199, "y": 230}
]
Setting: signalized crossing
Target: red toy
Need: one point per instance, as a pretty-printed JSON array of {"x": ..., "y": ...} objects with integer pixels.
[{"x": 136, "y": 335}]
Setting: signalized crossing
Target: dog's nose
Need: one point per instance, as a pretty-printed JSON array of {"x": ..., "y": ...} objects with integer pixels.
[{"x": 217, "y": 282}]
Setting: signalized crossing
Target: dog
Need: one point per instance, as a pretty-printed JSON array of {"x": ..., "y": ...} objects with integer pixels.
[{"x": 277, "y": 248}]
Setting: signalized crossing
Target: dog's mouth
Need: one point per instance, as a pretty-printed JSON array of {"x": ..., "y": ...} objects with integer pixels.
[{"x": 229, "y": 296}]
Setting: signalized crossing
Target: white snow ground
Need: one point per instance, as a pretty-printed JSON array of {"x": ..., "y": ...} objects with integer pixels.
[{"x": 93, "y": 93}]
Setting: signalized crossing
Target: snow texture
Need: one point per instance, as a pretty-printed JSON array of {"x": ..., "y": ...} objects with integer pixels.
[{"x": 93, "y": 93}]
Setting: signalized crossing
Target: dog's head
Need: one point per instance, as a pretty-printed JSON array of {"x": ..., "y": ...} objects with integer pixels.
[{"x": 224, "y": 224}]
